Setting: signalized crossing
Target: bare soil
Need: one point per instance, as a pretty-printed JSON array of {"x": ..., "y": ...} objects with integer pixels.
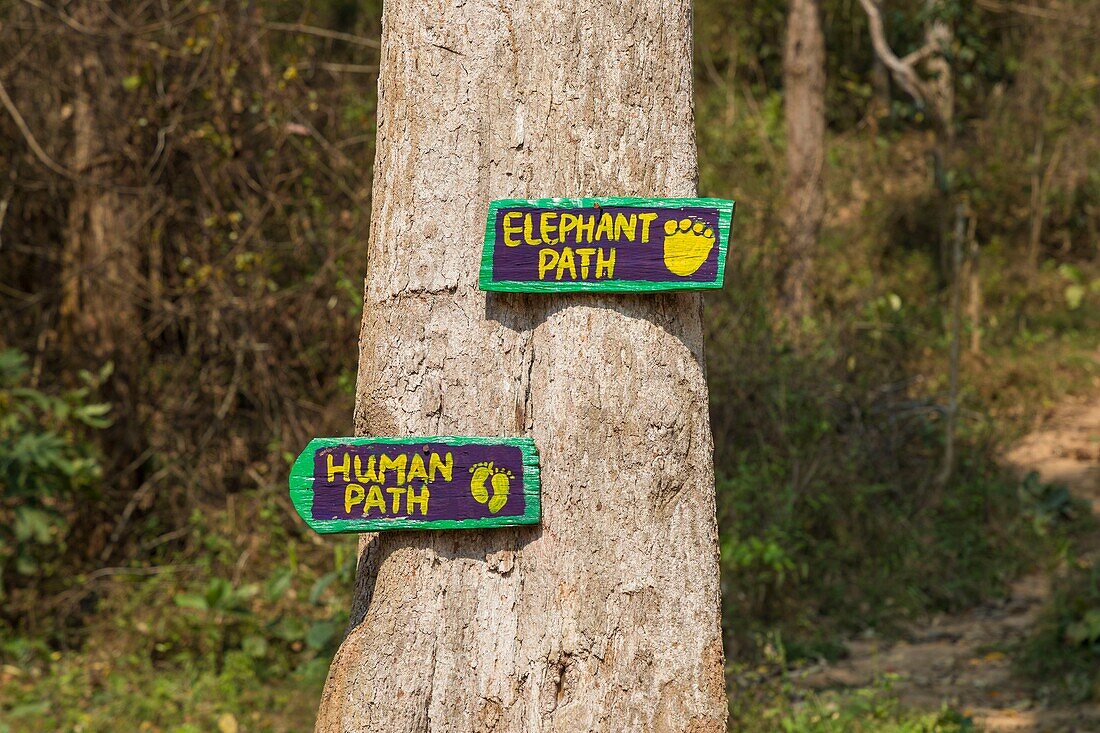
[{"x": 955, "y": 659}]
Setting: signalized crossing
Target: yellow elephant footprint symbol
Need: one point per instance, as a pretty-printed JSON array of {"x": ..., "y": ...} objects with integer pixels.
[
  {"x": 688, "y": 243},
  {"x": 486, "y": 475}
]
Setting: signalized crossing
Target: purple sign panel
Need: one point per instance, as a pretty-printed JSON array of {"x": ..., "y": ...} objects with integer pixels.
[
  {"x": 372, "y": 484},
  {"x": 617, "y": 244}
]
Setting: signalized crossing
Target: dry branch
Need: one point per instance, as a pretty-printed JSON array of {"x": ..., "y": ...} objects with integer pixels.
[
  {"x": 39, "y": 153},
  {"x": 902, "y": 69},
  {"x": 310, "y": 30}
]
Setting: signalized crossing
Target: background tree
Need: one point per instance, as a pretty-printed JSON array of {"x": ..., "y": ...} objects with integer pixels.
[
  {"x": 171, "y": 175},
  {"x": 102, "y": 272},
  {"x": 605, "y": 617},
  {"x": 804, "y": 192},
  {"x": 936, "y": 95}
]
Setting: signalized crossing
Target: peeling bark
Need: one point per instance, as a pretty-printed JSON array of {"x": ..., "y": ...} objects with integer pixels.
[{"x": 606, "y": 616}]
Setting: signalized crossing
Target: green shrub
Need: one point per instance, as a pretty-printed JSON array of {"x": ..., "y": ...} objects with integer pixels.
[
  {"x": 827, "y": 454},
  {"x": 1063, "y": 654},
  {"x": 48, "y": 467},
  {"x": 779, "y": 705}
]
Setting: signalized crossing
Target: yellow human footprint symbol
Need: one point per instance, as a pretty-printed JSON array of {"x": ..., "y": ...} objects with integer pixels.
[
  {"x": 499, "y": 478},
  {"x": 688, "y": 243}
]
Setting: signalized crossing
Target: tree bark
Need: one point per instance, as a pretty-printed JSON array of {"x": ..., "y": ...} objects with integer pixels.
[
  {"x": 804, "y": 100},
  {"x": 606, "y": 616},
  {"x": 972, "y": 267},
  {"x": 100, "y": 260},
  {"x": 951, "y": 411},
  {"x": 101, "y": 275}
]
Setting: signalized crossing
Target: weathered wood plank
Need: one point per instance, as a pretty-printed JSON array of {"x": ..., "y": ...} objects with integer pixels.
[
  {"x": 605, "y": 244},
  {"x": 378, "y": 484}
]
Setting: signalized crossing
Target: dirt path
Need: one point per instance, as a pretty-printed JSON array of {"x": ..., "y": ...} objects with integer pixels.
[{"x": 949, "y": 658}]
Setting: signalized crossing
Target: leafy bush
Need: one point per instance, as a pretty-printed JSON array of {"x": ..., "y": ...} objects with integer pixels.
[
  {"x": 1063, "y": 654},
  {"x": 238, "y": 618},
  {"x": 244, "y": 633},
  {"x": 48, "y": 467},
  {"x": 778, "y": 705},
  {"x": 827, "y": 454}
]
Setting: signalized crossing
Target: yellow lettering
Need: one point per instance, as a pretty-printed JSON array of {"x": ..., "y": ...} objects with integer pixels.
[
  {"x": 367, "y": 477},
  {"x": 605, "y": 265},
  {"x": 421, "y": 500},
  {"x": 548, "y": 259},
  {"x": 446, "y": 467},
  {"x": 568, "y": 223},
  {"x": 511, "y": 229},
  {"x": 586, "y": 255},
  {"x": 606, "y": 228},
  {"x": 344, "y": 468},
  {"x": 528, "y": 230},
  {"x": 585, "y": 225},
  {"x": 565, "y": 261},
  {"x": 375, "y": 500},
  {"x": 647, "y": 219},
  {"x": 385, "y": 463},
  {"x": 547, "y": 229},
  {"x": 625, "y": 226},
  {"x": 353, "y": 495},
  {"x": 395, "y": 492},
  {"x": 416, "y": 468}
]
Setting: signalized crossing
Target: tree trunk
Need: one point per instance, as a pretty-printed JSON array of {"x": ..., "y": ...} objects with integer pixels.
[
  {"x": 605, "y": 617},
  {"x": 974, "y": 287},
  {"x": 951, "y": 411},
  {"x": 100, "y": 261},
  {"x": 804, "y": 99}
]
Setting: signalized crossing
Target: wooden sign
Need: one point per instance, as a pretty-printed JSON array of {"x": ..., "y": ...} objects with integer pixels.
[
  {"x": 375, "y": 484},
  {"x": 605, "y": 244}
]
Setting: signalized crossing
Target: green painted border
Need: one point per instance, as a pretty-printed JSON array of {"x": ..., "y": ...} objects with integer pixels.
[
  {"x": 485, "y": 278},
  {"x": 301, "y": 487}
]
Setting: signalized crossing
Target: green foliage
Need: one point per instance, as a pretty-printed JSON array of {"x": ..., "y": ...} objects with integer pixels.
[
  {"x": 188, "y": 649},
  {"x": 828, "y": 440},
  {"x": 48, "y": 467},
  {"x": 254, "y": 144},
  {"x": 776, "y": 706},
  {"x": 830, "y": 514},
  {"x": 1063, "y": 654},
  {"x": 219, "y": 597},
  {"x": 230, "y": 619}
]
